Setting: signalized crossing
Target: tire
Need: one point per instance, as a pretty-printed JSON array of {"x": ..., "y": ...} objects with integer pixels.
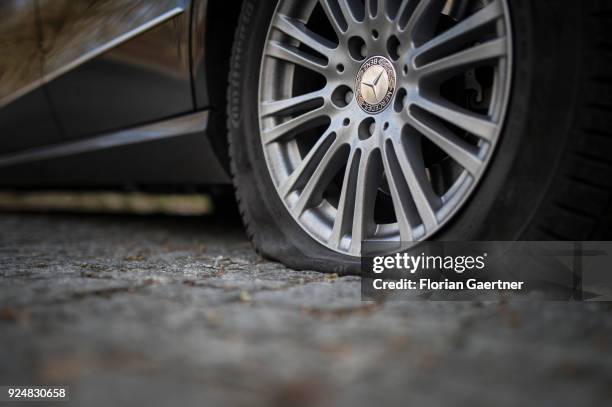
[{"x": 550, "y": 177}]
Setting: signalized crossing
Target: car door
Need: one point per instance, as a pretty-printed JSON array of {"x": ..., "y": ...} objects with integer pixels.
[
  {"x": 26, "y": 120},
  {"x": 112, "y": 64}
]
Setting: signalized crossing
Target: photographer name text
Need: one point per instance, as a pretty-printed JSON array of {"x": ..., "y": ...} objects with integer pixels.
[{"x": 457, "y": 265}]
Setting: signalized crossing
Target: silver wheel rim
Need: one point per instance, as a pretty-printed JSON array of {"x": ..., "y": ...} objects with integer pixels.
[{"x": 395, "y": 158}]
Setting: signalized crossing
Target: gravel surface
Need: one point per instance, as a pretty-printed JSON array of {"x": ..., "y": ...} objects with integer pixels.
[{"x": 180, "y": 311}]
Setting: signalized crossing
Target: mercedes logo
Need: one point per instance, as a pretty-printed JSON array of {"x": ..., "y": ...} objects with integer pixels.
[{"x": 375, "y": 85}]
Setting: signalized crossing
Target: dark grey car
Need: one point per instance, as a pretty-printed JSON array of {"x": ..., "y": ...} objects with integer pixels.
[{"x": 337, "y": 121}]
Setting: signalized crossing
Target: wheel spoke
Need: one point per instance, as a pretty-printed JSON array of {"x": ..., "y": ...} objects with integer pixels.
[
  {"x": 295, "y": 56},
  {"x": 473, "y": 123},
  {"x": 468, "y": 58},
  {"x": 307, "y": 166},
  {"x": 346, "y": 203},
  {"x": 368, "y": 180},
  {"x": 290, "y": 128},
  {"x": 325, "y": 170},
  {"x": 424, "y": 18},
  {"x": 290, "y": 105},
  {"x": 458, "y": 149},
  {"x": 400, "y": 195},
  {"x": 297, "y": 30},
  {"x": 348, "y": 8},
  {"x": 406, "y": 10},
  {"x": 464, "y": 32},
  {"x": 413, "y": 168},
  {"x": 334, "y": 16}
]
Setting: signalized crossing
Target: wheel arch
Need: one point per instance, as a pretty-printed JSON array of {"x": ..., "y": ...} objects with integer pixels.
[{"x": 215, "y": 23}]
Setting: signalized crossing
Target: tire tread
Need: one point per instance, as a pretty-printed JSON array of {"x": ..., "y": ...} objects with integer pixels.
[{"x": 578, "y": 206}]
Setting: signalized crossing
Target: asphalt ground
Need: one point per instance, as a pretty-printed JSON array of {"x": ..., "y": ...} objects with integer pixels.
[{"x": 162, "y": 310}]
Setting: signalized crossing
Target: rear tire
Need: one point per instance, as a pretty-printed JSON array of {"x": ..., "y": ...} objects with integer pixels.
[{"x": 551, "y": 177}]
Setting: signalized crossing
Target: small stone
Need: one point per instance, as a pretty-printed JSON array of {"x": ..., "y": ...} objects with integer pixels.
[{"x": 213, "y": 318}]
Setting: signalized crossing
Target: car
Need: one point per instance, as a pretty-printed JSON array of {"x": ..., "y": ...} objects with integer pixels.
[{"x": 336, "y": 121}]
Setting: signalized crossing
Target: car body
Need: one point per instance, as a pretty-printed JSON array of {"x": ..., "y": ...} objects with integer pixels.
[{"x": 95, "y": 93}]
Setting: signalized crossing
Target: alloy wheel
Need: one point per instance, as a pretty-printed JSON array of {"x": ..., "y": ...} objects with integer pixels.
[{"x": 378, "y": 118}]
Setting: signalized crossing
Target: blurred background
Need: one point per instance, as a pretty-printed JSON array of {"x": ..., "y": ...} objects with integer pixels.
[{"x": 134, "y": 203}]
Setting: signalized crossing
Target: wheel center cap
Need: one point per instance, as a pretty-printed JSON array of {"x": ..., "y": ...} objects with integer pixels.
[{"x": 375, "y": 85}]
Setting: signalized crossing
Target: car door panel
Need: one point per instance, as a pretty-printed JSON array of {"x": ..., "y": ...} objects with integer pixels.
[
  {"x": 116, "y": 63},
  {"x": 25, "y": 117}
]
